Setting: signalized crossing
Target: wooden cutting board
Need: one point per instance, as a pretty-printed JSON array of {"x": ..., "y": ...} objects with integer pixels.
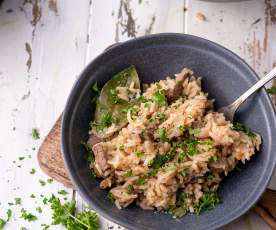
[{"x": 51, "y": 162}]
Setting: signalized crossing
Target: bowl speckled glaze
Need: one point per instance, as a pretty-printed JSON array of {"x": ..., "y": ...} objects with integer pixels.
[{"x": 225, "y": 77}]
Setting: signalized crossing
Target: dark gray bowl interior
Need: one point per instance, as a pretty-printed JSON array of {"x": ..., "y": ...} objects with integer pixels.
[{"x": 225, "y": 76}]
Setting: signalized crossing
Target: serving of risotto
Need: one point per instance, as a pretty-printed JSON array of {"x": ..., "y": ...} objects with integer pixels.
[{"x": 165, "y": 148}]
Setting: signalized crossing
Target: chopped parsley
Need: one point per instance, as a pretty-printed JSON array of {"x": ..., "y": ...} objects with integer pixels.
[
  {"x": 207, "y": 202},
  {"x": 43, "y": 183},
  {"x": 14, "y": 128},
  {"x": 147, "y": 105},
  {"x": 105, "y": 121},
  {"x": 93, "y": 174},
  {"x": 27, "y": 216},
  {"x": 215, "y": 158},
  {"x": 46, "y": 226},
  {"x": 130, "y": 189},
  {"x": 139, "y": 181},
  {"x": 35, "y": 134},
  {"x": 161, "y": 133},
  {"x": 17, "y": 200},
  {"x": 32, "y": 196},
  {"x": 90, "y": 158},
  {"x": 160, "y": 116},
  {"x": 50, "y": 180},
  {"x": 114, "y": 93},
  {"x": 32, "y": 171},
  {"x": 271, "y": 90},
  {"x": 159, "y": 99},
  {"x": 250, "y": 133},
  {"x": 143, "y": 99},
  {"x": 45, "y": 200},
  {"x": 95, "y": 87},
  {"x": 184, "y": 172},
  {"x": 65, "y": 214},
  {"x": 143, "y": 132},
  {"x": 194, "y": 131},
  {"x": 2, "y": 223},
  {"x": 21, "y": 158},
  {"x": 111, "y": 197},
  {"x": 9, "y": 214},
  {"x": 182, "y": 128},
  {"x": 159, "y": 161},
  {"x": 237, "y": 126},
  {"x": 158, "y": 86},
  {"x": 128, "y": 173},
  {"x": 170, "y": 167},
  {"x": 121, "y": 148},
  {"x": 63, "y": 192},
  {"x": 152, "y": 172},
  {"x": 38, "y": 209}
]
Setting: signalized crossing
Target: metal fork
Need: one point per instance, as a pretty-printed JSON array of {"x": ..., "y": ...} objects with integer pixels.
[{"x": 229, "y": 111}]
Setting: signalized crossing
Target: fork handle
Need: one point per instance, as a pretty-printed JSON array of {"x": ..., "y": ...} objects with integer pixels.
[{"x": 255, "y": 87}]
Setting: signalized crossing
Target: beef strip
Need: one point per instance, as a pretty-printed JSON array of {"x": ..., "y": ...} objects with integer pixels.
[
  {"x": 100, "y": 158},
  {"x": 175, "y": 93},
  {"x": 93, "y": 140}
]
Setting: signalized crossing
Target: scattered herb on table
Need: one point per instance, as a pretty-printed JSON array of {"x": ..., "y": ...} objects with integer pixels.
[
  {"x": 14, "y": 128},
  {"x": 32, "y": 171},
  {"x": 50, "y": 180},
  {"x": 45, "y": 200},
  {"x": 32, "y": 196},
  {"x": 45, "y": 226},
  {"x": 27, "y": 216},
  {"x": 65, "y": 214},
  {"x": 63, "y": 192},
  {"x": 271, "y": 90},
  {"x": 17, "y": 200},
  {"x": 38, "y": 209},
  {"x": 35, "y": 134},
  {"x": 43, "y": 183},
  {"x": 9, "y": 214},
  {"x": 21, "y": 158}
]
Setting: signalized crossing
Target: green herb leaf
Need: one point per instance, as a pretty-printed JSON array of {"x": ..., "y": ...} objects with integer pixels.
[
  {"x": 147, "y": 105},
  {"x": 161, "y": 133},
  {"x": 43, "y": 183},
  {"x": 46, "y": 226},
  {"x": 95, "y": 87},
  {"x": 90, "y": 158},
  {"x": 32, "y": 196},
  {"x": 32, "y": 171},
  {"x": 215, "y": 158},
  {"x": 27, "y": 216},
  {"x": 63, "y": 192},
  {"x": 194, "y": 131},
  {"x": 182, "y": 128},
  {"x": 35, "y": 134},
  {"x": 130, "y": 189},
  {"x": 128, "y": 173},
  {"x": 17, "y": 200},
  {"x": 111, "y": 197},
  {"x": 237, "y": 126},
  {"x": 50, "y": 180},
  {"x": 159, "y": 99},
  {"x": 207, "y": 202},
  {"x": 159, "y": 161},
  {"x": 2, "y": 223},
  {"x": 38, "y": 209},
  {"x": 9, "y": 214},
  {"x": 121, "y": 148},
  {"x": 21, "y": 158},
  {"x": 139, "y": 181},
  {"x": 250, "y": 133},
  {"x": 152, "y": 172},
  {"x": 184, "y": 172},
  {"x": 158, "y": 86},
  {"x": 170, "y": 167},
  {"x": 271, "y": 90},
  {"x": 106, "y": 98}
]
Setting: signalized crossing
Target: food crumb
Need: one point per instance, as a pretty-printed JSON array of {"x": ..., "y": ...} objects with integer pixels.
[
  {"x": 200, "y": 16},
  {"x": 184, "y": 9}
]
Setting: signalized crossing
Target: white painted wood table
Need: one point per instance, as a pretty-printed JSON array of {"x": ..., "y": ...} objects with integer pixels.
[{"x": 44, "y": 45}]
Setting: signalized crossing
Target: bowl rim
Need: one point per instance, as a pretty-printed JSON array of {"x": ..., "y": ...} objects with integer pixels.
[{"x": 66, "y": 121}]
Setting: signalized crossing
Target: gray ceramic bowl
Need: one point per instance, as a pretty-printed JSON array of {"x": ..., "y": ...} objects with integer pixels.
[{"x": 225, "y": 77}]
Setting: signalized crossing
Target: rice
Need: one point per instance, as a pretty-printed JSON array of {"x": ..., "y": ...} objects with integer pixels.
[{"x": 183, "y": 149}]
